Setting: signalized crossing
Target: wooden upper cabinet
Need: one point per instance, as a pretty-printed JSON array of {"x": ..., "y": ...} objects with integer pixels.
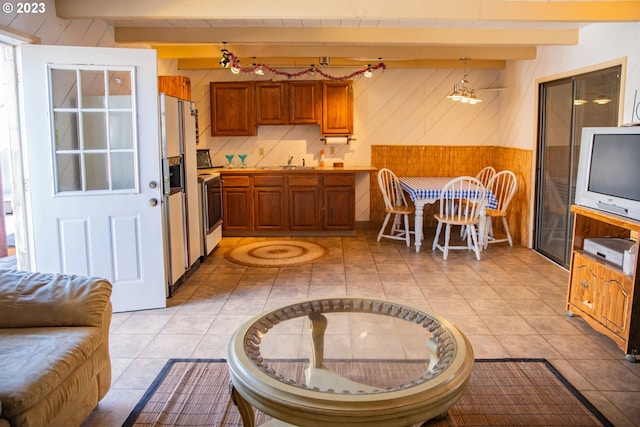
[
  {"x": 232, "y": 109},
  {"x": 271, "y": 103},
  {"x": 176, "y": 86},
  {"x": 305, "y": 102},
  {"x": 337, "y": 108},
  {"x": 238, "y": 107}
]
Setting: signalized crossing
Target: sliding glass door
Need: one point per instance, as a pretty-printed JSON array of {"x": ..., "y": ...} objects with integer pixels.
[{"x": 566, "y": 106}]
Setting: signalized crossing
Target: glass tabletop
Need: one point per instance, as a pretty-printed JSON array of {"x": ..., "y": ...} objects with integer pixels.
[{"x": 350, "y": 345}]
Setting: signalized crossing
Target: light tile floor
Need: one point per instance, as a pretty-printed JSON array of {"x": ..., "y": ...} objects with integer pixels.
[{"x": 509, "y": 304}]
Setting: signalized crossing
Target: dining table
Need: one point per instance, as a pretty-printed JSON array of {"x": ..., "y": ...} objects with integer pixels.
[{"x": 425, "y": 190}]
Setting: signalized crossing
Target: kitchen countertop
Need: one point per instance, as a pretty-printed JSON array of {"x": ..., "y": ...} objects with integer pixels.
[{"x": 298, "y": 169}]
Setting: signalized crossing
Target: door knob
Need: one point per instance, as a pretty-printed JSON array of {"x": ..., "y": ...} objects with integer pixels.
[
  {"x": 153, "y": 184},
  {"x": 153, "y": 202}
]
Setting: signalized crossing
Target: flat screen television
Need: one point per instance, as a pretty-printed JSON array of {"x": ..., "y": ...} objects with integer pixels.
[{"x": 609, "y": 170}]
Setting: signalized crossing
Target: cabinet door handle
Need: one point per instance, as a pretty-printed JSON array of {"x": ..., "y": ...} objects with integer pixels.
[{"x": 584, "y": 283}]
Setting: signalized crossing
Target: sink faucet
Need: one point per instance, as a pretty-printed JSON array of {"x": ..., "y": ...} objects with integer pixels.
[{"x": 289, "y": 161}]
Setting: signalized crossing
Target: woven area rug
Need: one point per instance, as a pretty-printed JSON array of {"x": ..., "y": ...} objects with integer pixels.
[
  {"x": 277, "y": 253},
  {"x": 503, "y": 392}
]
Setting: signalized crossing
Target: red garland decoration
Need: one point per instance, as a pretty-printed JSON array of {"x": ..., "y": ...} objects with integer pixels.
[{"x": 235, "y": 63}]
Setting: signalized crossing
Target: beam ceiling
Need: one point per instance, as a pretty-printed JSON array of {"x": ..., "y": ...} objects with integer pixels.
[{"x": 408, "y": 34}]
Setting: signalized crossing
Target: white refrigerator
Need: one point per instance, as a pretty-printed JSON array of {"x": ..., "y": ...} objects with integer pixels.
[{"x": 183, "y": 237}]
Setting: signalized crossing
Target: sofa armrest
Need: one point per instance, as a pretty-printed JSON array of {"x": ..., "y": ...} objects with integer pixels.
[{"x": 41, "y": 300}]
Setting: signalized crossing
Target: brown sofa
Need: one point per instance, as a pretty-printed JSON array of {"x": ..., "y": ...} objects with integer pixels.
[{"x": 54, "y": 348}]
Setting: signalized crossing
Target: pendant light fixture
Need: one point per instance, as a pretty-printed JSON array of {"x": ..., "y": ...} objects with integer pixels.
[
  {"x": 601, "y": 100},
  {"x": 461, "y": 91},
  {"x": 226, "y": 56}
]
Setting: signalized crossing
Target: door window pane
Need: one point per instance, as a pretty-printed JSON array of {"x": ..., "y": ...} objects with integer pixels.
[
  {"x": 92, "y": 83},
  {"x": 64, "y": 88},
  {"x": 123, "y": 170},
  {"x": 96, "y": 175},
  {"x": 68, "y": 172},
  {"x": 119, "y": 89},
  {"x": 99, "y": 152},
  {"x": 553, "y": 216},
  {"x": 94, "y": 130},
  {"x": 120, "y": 125},
  {"x": 66, "y": 130}
]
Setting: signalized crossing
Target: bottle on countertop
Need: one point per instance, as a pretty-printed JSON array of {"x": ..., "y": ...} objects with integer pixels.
[{"x": 321, "y": 158}]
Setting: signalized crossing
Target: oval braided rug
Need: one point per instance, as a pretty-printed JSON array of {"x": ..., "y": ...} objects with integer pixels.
[{"x": 276, "y": 253}]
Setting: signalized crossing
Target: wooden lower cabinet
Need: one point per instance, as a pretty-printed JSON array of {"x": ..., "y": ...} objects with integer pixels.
[
  {"x": 616, "y": 303},
  {"x": 304, "y": 202},
  {"x": 602, "y": 293},
  {"x": 269, "y": 203},
  {"x": 584, "y": 283},
  {"x": 598, "y": 290},
  {"x": 339, "y": 202},
  {"x": 237, "y": 206},
  {"x": 264, "y": 203}
]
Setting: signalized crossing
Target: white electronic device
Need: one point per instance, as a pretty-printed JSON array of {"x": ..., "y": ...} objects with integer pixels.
[
  {"x": 608, "y": 248},
  {"x": 629, "y": 260}
]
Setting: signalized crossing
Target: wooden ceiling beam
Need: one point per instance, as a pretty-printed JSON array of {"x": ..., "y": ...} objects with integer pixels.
[
  {"x": 451, "y": 10},
  {"x": 365, "y": 53},
  {"x": 344, "y": 36},
  {"x": 300, "y": 62}
]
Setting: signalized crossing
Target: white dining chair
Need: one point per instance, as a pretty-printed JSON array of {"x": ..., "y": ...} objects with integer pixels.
[
  {"x": 484, "y": 176},
  {"x": 503, "y": 185},
  {"x": 461, "y": 200},
  {"x": 395, "y": 204}
]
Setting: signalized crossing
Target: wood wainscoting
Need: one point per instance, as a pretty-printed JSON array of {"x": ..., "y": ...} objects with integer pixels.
[{"x": 421, "y": 160}]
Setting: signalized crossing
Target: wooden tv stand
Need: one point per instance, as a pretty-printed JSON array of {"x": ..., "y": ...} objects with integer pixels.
[{"x": 599, "y": 291}]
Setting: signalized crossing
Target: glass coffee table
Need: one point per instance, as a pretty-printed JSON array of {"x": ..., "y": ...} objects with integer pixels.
[{"x": 363, "y": 362}]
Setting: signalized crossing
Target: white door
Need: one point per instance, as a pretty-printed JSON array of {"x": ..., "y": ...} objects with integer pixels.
[{"x": 92, "y": 167}]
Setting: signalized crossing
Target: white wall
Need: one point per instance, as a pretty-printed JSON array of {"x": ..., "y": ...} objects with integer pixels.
[
  {"x": 53, "y": 30},
  {"x": 599, "y": 43}
]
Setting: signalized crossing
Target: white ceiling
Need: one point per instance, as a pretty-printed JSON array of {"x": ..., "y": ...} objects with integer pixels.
[{"x": 401, "y": 33}]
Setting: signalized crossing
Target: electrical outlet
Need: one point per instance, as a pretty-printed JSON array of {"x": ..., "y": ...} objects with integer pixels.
[
  {"x": 261, "y": 151},
  {"x": 332, "y": 151}
]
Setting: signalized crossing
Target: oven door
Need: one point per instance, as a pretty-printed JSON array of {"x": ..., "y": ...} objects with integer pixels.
[
  {"x": 213, "y": 206},
  {"x": 211, "y": 212}
]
